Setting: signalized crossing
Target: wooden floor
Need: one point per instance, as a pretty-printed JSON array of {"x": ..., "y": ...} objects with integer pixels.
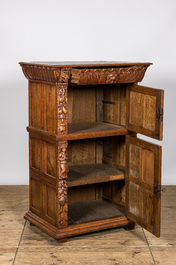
[{"x": 22, "y": 244}]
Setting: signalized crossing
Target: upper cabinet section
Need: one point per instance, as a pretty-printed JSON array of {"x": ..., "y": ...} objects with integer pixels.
[
  {"x": 85, "y": 73},
  {"x": 79, "y": 100},
  {"x": 145, "y": 110}
]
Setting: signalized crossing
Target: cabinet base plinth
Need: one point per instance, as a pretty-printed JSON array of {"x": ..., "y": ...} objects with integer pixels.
[
  {"x": 62, "y": 240},
  {"x": 61, "y": 234},
  {"x": 130, "y": 227}
]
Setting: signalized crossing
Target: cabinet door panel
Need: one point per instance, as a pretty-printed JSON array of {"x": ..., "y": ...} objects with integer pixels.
[
  {"x": 145, "y": 110},
  {"x": 142, "y": 175}
]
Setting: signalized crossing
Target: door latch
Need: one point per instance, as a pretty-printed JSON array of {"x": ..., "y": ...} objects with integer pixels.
[
  {"x": 158, "y": 191},
  {"x": 159, "y": 114}
]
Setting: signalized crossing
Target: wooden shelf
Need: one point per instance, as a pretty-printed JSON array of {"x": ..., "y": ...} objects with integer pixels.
[
  {"x": 92, "y": 173},
  {"x": 82, "y": 212},
  {"x": 83, "y": 130}
]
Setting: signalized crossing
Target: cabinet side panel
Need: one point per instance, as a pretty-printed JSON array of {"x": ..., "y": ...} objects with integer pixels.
[
  {"x": 43, "y": 172},
  {"x": 37, "y": 194},
  {"x": 51, "y": 160},
  {"x": 43, "y": 106},
  {"x": 36, "y": 153},
  {"x": 51, "y": 108},
  {"x": 51, "y": 202},
  {"x": 36, "y": 105}
]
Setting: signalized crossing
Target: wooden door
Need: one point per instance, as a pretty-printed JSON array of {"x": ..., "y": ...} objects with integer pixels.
[
  {"x": 145, "y": 110},
  {"x": 143, "y": 174}
]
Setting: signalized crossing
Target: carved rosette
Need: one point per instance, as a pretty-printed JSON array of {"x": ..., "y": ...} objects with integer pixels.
[
  {"x": 130, "y": 74},
  {"x": 62, "y": 182}
]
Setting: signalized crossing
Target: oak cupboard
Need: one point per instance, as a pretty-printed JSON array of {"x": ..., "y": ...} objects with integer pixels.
[{"x": 88, "y": 169}]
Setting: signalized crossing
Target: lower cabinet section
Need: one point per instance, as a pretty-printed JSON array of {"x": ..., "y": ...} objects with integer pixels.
[
  {"x": 91, "y": 207},
  {"x": 100, "y": 184}
]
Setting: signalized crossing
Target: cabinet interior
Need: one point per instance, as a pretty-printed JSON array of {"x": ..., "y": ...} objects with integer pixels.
[
  {"x": 96, "y": 177},
  {"x": 101, "y": 103},
  {"x": 96, "y": 166}
]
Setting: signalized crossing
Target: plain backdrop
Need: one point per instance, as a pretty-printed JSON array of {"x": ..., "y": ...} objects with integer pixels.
[{"x": 113, "y": 30}]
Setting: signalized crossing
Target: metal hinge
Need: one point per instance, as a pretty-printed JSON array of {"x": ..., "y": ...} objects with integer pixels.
[
  {"x": 158, "y": 191},
  {"x": 159, "y": 114}
]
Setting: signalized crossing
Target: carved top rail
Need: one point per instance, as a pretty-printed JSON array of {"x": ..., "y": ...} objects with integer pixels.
[{"x": 84, "y": 74}]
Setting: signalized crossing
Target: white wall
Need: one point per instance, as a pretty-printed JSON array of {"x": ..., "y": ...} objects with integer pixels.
[{"x": 122, "y": 30}]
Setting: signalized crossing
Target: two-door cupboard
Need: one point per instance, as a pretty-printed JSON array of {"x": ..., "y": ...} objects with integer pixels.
[{"x": 88, "y": 169}]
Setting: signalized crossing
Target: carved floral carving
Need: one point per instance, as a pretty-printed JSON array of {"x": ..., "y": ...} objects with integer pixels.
[
  {"x": 63, "y": 74},
  {"x": 62, "y": 182},
  {"x": 62, "y": 108},
  {"x": 131, "y": 74},
  {"x": 63, "y": 169}
]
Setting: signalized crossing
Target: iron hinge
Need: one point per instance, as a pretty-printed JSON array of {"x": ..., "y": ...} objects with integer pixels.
[
  {"x": 159, "y": 114},
  {"x": 158, "y": 191}
]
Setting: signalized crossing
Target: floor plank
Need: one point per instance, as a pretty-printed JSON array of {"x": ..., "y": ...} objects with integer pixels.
[
  {"x": 7, "y": 255},
  {"x": 83, "y": 255},
  {"x": 164, "y": 255},
  {"x": 33, "y": 236},
  {"x": 13, "y": 205}
]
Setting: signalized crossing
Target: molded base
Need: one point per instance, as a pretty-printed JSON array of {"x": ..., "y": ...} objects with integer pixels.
[{"x": 61, "y": 234}]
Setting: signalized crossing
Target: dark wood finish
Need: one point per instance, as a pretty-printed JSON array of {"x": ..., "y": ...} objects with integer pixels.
[
  {"x": 142, "y": 174},
  {"x": 130, "y": 227},
  {"x": 80, "y": 114}
]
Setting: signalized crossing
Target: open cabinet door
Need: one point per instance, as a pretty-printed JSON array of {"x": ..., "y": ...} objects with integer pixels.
[
  {"x": 145, "y": 110},
  {"x": 143, "y": 179}
]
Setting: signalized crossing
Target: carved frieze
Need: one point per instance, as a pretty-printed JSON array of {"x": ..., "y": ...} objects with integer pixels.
[{"x": 130, "y": 74}]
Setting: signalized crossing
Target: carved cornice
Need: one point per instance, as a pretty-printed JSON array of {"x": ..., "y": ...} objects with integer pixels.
[
  {"x": 130, "y": 74},
  {"x": 116, "y": 75},
  {"x": 46, "y": 73}
]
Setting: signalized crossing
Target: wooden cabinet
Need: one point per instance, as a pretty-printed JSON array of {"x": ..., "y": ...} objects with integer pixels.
[{"x": 88, "y": 169}]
